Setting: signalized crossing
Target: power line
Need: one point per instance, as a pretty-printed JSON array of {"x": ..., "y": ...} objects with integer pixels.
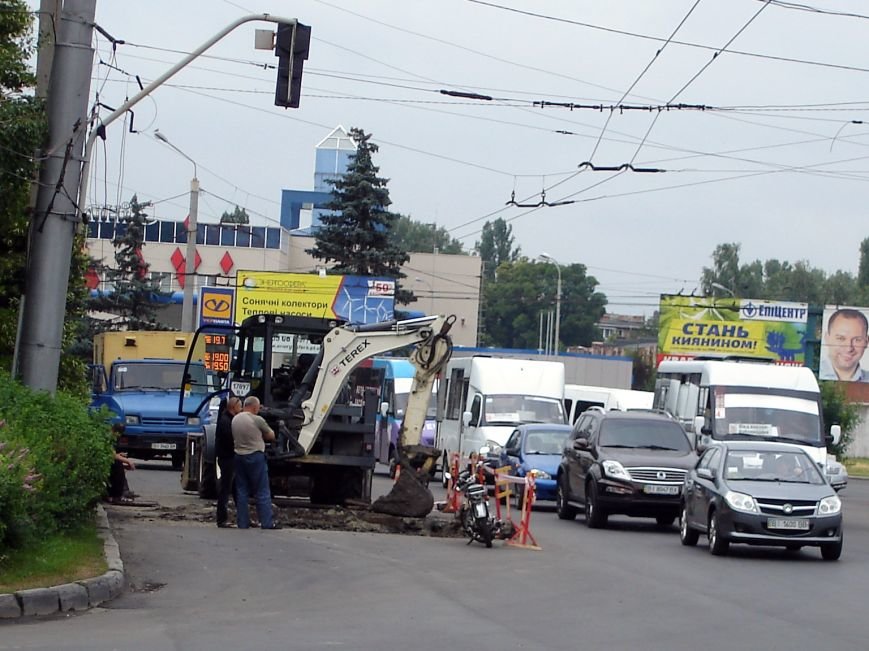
[
  {"x": 648, "y": 37},
  {"x": 696, "y": 75},
  {"x": 640, "y": 76}
]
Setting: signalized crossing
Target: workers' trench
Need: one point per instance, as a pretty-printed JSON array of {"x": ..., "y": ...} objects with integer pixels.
[{"x": 291, "y": 514}]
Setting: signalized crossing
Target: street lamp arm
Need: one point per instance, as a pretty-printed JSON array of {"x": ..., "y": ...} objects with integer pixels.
[
  {"x": 166, "y": 141},
  {"x": 147, "y": 90}
]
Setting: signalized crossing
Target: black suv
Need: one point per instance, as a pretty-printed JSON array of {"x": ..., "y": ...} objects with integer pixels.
[{"x": 632, "y": 463}]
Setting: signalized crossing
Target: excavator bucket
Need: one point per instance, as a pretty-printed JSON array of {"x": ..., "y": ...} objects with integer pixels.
[{"x": 410, "y": 496}]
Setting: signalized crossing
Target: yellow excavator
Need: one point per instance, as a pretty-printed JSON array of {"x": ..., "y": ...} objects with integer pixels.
[{"x": 323, "y": 405}]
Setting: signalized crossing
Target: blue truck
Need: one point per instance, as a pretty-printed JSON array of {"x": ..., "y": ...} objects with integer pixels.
[{"x": 137, "y": 375}]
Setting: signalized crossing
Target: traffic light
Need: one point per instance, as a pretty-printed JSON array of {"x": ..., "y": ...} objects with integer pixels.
[{"x": 291, "y": 48}]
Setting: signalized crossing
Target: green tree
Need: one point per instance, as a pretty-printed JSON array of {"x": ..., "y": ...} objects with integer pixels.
[
  {"x": 357, "y": 235},
  {"x": 838, "y": 411},
  {"x": 414, "y": 236},
  {"x": 523, "y": 289},
  {"x": 496, "y": 247},
  {"x": 24, "y": 129},
  {"x": 237, "y": 216},
  {"x": 132, "y": 294}
]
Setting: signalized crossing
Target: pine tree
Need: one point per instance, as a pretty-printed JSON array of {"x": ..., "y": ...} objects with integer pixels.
[
  {"x": 133, "y": 293},
  {"x": 357, "y": 235}
]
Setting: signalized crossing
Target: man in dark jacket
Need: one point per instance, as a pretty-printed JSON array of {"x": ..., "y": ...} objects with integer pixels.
[{"x": 224, "y": 448}]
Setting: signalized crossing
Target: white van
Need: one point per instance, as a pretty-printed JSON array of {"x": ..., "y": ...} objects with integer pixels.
[
  {"x": 728, "y": 400},
  {"x": 579, "y": 397},
  {"x": 482, "y": 399}
]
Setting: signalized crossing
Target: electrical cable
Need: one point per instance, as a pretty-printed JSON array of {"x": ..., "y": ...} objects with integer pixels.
[
  {"x": 696, "y": 75},
  {"x": 640, "y": 76}
]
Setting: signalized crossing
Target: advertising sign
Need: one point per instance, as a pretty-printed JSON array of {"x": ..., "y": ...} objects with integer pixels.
[
  {"x": 215, "y": 306},
  {"x": 843, "y": 344},
  {"x": 690, "y": 326},
  {"x": 355, "y": 299}
]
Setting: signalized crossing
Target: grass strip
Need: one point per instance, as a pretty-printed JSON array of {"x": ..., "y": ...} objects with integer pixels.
[{"x": 61, "y": 558}]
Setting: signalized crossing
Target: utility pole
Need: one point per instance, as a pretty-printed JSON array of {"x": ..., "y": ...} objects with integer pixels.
[{"x": 54, "y": 222}]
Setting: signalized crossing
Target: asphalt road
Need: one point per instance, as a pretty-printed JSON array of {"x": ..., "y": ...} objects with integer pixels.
[{"x": 631, "y": 586}]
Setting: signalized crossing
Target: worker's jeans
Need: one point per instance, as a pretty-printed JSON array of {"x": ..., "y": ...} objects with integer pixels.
[
  {"x": 252, "y": 478},
  {"x": 225, "y": 488}
]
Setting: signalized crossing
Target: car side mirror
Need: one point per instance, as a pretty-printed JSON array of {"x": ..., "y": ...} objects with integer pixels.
[
  {"x": 706, "y": 473},
  {"x": 835, "y": 435},
  {"x": 580, "y": 444},
  {"x": 466, "y": 418},
  {"x": 384, "y": 409},
  {"x": 512, "y": 452}
]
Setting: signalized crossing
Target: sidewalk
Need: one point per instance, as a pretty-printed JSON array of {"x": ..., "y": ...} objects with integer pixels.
[{"x": 78, "y": 596}]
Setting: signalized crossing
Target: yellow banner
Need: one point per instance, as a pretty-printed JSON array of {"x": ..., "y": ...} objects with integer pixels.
[
  {"x": 686, "y": 336},
  {"x": 271, "y": 292}
]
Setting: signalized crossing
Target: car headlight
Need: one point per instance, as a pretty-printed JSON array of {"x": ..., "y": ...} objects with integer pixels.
[
  {"x": 741, "y": 502},
  {"x": 615, "y": 470},
  {"x": 131, "y": 420},
  {"x": 829, "y": 505},
  {"x": 539, "y": 474},
  {"x": 193, "y": 420},
  {"x": 494, "y": 448}
]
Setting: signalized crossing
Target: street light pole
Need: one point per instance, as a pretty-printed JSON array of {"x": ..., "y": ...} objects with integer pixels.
[
  {"x": 430, "y": 293},
  {"x": 548, "y": 258},
  {"x": 187, "y": 311}
]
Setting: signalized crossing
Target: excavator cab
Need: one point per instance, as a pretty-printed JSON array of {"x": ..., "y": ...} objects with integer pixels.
[{"x": 320, "y": 396}]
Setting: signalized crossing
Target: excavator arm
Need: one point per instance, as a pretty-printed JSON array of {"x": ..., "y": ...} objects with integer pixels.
[{"x": 345, "y": 348}]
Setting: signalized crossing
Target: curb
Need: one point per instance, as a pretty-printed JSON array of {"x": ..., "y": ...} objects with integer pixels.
[{"x": 77, "y": 596}]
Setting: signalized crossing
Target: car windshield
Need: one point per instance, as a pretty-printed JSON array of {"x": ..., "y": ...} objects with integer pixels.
[
  {"x": 431, "y": 410},
  {"x": 154, "y": 376},
  {"x": 636, "y": 433},
  {"x": 545, "y": 441},
  {"x": 768, "y": 417},
  {"x": 514, "y": 410},
  {"x": 789, "y": 467}
]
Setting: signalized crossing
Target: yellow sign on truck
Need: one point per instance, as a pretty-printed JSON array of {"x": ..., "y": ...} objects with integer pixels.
[{"x": 139, "y": 344}]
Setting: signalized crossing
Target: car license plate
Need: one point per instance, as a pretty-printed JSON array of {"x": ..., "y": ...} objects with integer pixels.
[
  {"x": 781, "y": 523},
  {"x": 162, "y": 446},
  {"x": 654, "y": 489}
]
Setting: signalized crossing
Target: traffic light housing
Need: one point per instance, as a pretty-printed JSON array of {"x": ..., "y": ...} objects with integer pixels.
[{"x": 291, "y": 48}]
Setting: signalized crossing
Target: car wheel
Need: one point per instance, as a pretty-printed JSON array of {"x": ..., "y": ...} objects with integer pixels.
[
  {"x": 595, "y": 516},
  {"x": 687, "y": 535},
  {"x": 718, "y": 546},
  {"x": 565, "y": 510},
  {"x": 832, "y": 551},
  {"x": 665, "y": 520}
]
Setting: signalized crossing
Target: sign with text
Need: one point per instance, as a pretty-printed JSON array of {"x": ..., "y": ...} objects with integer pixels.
[
  {"x": 215, "y": 306},
  {"x": 690, "y": 326},
  {"x": 355, "y": 299}
]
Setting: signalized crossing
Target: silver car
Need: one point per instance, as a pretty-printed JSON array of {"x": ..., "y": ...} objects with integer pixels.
[{"x": 836, "y": 472}]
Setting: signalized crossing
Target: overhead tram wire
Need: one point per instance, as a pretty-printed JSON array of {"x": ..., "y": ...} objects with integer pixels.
[
  {"x": 697, "y": 75},
  {"x": 659, "y": 39},
  {"x": 640, "y": 76}
]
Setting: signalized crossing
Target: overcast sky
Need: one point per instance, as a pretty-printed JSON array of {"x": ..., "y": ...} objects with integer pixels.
[{"x": 783, "y": 170}]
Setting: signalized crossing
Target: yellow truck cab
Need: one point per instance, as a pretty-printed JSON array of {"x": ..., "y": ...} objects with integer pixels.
[{"x": 137, "y": 375}]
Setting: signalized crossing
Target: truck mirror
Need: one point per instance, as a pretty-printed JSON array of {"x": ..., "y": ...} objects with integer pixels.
[
  {"x": 384, "y": 409},
  {"x": 699, "y": 422},
  {"x": 466, "y": 418},
  {"x": 835, "y": 434}
]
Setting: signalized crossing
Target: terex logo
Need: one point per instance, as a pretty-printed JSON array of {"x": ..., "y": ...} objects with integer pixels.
[{"x": 353, "y": 353}]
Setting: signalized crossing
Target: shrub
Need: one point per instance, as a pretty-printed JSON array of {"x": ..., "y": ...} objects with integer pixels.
[
  {"x": 838, "y": 411},
  {"x": 57, "y": 457}
]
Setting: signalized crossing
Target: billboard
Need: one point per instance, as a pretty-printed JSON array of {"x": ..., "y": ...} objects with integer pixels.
[
  {"x": 690, "y": 326},
  {"x": 355, "y": 299},
  {"x": 843, "y": 344}
]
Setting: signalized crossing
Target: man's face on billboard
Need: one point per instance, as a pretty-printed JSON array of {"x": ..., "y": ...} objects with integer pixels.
[{"x": 846, "y": 343}]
